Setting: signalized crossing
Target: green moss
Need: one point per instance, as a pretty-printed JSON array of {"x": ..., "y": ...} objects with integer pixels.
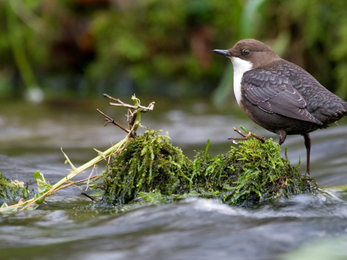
[
  {"x": 149, "y": 163},
  {"x": 151, "y": 170},
  {"x": 12, "y": 191},
  {"x": 254, "y": 172}
]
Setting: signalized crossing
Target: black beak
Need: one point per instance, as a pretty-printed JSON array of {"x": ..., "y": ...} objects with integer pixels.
[{"x": 222, "y": 52}]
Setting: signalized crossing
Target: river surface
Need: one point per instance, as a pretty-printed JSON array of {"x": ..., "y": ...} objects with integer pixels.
[{"x": 31, "y": 138}]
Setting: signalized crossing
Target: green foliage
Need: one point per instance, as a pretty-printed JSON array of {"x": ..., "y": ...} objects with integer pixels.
[
  {"x": 149, "y": 43},
  {"x": 42, "y": 186},
  {"x": 161, "y": 39},
  {"x": 151, "y": 170},
  {"x": 12, "y": 191}
]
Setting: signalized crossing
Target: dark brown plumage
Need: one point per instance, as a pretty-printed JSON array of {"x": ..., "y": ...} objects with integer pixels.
[{"x": 279, "y": 95}]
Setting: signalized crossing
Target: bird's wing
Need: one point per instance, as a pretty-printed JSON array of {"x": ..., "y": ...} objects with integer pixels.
[{"x": 275, "y": 94}]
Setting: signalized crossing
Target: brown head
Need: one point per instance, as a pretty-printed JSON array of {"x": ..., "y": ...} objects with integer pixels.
[{"x": 253, "y": 51}]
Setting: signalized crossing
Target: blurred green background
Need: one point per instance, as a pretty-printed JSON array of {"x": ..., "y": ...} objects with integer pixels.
[{"x": 61, "y": 49}]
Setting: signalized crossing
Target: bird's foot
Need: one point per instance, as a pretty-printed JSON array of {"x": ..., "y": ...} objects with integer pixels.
[
  {"x": 307, "y": 175},
  {"x": 245, "y": 136},
  {"x": 309, "y": 185}
]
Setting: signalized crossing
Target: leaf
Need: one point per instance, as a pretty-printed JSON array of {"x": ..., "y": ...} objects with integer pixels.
[
  {"x": 244, "y": 129},
  {"x": 37, "y": 175},
  {"x": 206, "y": 150}
]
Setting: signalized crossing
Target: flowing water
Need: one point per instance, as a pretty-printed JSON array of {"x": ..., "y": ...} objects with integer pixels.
[{"x": 303, "y": 227}]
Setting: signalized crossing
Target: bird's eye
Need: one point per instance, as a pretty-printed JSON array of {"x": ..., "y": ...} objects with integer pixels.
[{"x": 246, "y": 52}]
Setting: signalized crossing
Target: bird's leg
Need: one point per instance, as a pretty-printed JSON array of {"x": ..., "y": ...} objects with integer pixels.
[
  {"x": 308, "y": 152},
  {"x": 307, "y": 138}
]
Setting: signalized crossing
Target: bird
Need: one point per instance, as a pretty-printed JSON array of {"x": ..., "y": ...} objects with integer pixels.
[{"x": 279, "y": 95}]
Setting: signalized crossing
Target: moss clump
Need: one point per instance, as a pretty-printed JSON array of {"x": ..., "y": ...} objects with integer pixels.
[
  {"x": 150, "y": 169},
  {"x": 149, "y": 163},
  {"x": 12, "y": 191},
  {"x": 250, "y": 173}
]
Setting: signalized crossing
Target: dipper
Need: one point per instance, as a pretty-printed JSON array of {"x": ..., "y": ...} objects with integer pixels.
[{"x": 279, "y": 95}]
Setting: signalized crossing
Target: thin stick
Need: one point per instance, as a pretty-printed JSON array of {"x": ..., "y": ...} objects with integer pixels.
[
  {"x": 245, "y": 137},
  {"x": 111, "y": 120},
  {"x": 122, "y": 104}
]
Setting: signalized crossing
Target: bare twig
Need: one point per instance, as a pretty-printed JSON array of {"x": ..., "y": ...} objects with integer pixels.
[
  {"x": 88, "y": 196},
  {"x": 109, "y": 119},
  {"x": 133, "y": 116},
  {"x": 245, "y": 137},
  {"x": 143, "y": 109}
]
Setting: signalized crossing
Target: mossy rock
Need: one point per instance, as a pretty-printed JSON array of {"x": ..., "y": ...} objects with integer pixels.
[
  {"x": 150, "y": 169},
  {"x": 148, "y": 163}
]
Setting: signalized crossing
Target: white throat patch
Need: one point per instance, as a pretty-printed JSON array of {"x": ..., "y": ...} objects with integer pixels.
[{"x": 240, "y": 67}]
